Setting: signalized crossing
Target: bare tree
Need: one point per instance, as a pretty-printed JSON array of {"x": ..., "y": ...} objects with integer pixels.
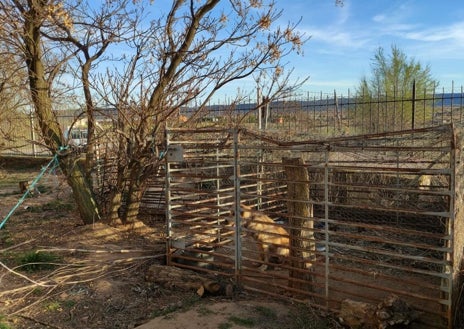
[
  {"x": 14, "y": 101},
  {"x": 171, "y": 59},
  {"x": 86, "y": 35},
  {"x": 187, "y": 55},
  {"x": 14, "y": 96},
  {"x": 56, "y": 38},
  {"x": 27, "y": 20}
]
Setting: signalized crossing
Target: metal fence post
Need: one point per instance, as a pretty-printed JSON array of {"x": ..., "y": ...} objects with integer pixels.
[
  {"x": 31, "y": 121},
  {"x": 237, "y": 237},
  {"x": 413, "y": 112}
]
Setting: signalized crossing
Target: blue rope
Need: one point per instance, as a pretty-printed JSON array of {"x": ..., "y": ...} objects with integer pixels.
[{"x": 31, "y": 187}]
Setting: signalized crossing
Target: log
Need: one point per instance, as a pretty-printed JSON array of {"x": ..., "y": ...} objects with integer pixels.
[{"x": 176, "y": 278}]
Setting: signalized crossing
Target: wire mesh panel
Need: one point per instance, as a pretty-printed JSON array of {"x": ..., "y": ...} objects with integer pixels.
[
  {"x": 321, "y": 222},
  {"x": 199, "y": 195}
]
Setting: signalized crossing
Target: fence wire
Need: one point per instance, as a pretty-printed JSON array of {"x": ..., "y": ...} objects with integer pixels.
[{"x": 299, "y": 117}]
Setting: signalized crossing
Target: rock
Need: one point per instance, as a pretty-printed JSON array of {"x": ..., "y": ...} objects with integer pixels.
[
  {"x": 356, "y": 314},
  {"x": 394, "y": 311},
  {"x": 391, "y": 312}
]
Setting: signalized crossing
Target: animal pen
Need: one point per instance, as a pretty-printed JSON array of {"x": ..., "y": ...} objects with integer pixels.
[{"x": 368, "y": 216}]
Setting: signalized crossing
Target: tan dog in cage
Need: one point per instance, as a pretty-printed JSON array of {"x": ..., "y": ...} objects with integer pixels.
[{"x": 273, "y": 240}]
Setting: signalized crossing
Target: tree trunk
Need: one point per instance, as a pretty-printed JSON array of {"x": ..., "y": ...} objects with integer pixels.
[
  {"x": 112, "y": 216},
  {"x": 131, "y": 210},
  {"x": 133, "y": 192},
  {"x": 89, "y": 110},
  {"x": 82, "y": 191},
  {"x": 50, "y": 128},
  {"x": 300, "y": 211}
]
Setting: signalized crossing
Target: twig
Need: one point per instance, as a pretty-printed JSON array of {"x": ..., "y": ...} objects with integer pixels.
[
  {"x": 68, "y": 275},
  {"x": 40, "y": 300},
  {"x": 16, "y": 245},
  {"x": 24, "y": 276},
  {"x": 120, "y": 251},
  {"x": 38, "y": 321}
]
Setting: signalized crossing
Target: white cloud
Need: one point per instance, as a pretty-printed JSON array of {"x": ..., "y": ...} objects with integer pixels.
[
  {"x": 338, "y": 36},
  {"x": 379, "y": 18},
  {"x": 344, "y": 13},
  {"x": 453, "y": 32},
  {"x": 344, "y": 39}
]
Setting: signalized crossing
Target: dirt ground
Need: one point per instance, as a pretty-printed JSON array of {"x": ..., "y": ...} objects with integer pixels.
[{"x": 95, "y": 275}]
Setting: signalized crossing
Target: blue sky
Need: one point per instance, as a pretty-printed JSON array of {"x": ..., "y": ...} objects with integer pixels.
[{"x": 344, "y": 39}]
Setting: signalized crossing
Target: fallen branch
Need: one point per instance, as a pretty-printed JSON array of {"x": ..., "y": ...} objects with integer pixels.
[
  {"x": 104, "y": 251},
  {"x": 24, "y": 276},
  {"x": 64, "y": 276},
  {"x": 16, "y": 245}
]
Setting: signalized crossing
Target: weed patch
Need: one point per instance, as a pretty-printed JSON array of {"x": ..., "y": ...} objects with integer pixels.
[
  {"x": 53, "y": 306},
  {"x": 3, "y": 324},
  {"x": 5, "y": 238},
  {"x": 38, "y": 261},
  {"x": 266, "y": 312},
  {"x": 204, "y": 311},
  {"x": 245, "y": 322},
  {"x": 225, "y": 325},
  {"x": 58, "y": 205}
]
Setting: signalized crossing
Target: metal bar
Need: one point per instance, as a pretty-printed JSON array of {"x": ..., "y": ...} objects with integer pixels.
[
  {"x": 326, "y": 218},
  {"x": 238, "y": 224},
  {"x": 168, "y": 205}
]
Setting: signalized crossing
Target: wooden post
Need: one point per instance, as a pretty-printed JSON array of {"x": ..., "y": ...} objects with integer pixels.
[{"x": 300, "y": 212}]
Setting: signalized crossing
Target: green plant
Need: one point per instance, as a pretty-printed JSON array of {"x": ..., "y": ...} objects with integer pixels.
[
  {"x": 59, "y": 305},
  {"x": 69, "y": 303},
  {"x": 37, "y": 291},
  {"x": 245, "y": 322},
  {"x": 4, "y": 324},
  {"x": 203, "y": 311},
  {"x": 266, "y": 312},
  {"x": 5, "y": 238},
  {"x": 58, "y": 205},
  {"x": 36, "y": 261},
  {"x": 43, "y": 188},
  {"x": 53, "y": 306},
  {"x": 225, "y": 325}
]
